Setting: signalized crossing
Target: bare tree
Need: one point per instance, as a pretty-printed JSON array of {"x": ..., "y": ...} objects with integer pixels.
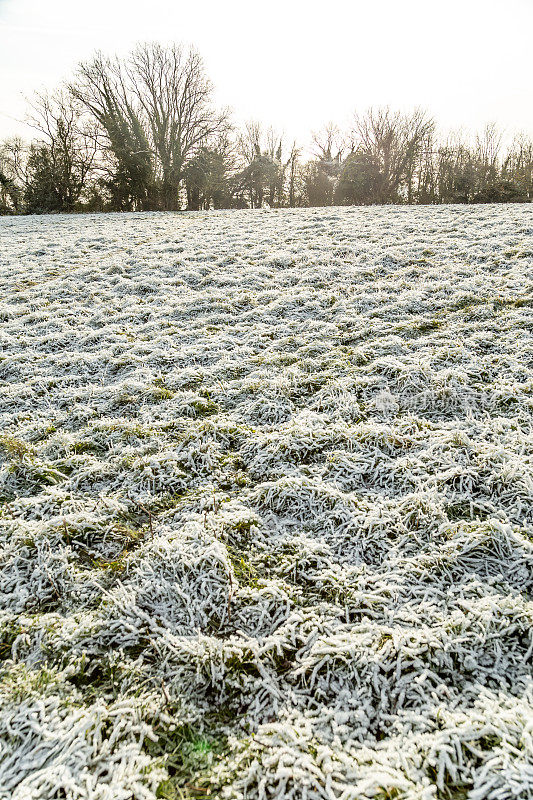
[
  {"x": 263, "y": 170},
  {"x": 518, "y": 165},
  {"x": 329, "y": 145},
  {"x": 11, "y": 175},
  {"x": 488, "y": 146},
  {"x": 66, "y": 150},
  {"x": 101, "y": 86},
  {"x": 156, "y": 111},
  {"x": 208, "y": 175},
  {"x": 175, "y": 95},
  {"x": 293, "y": 165},
  {"x": 392, "y": 141},
  {"x": 322, "y": 173},
  {"x": 13, "y": 157}
]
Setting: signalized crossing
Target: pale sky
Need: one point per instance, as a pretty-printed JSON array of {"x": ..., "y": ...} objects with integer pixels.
[{"x": 294, "y": 63}]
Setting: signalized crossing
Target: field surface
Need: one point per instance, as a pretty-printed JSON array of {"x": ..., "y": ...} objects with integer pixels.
[{"x": 266, "y": 518}]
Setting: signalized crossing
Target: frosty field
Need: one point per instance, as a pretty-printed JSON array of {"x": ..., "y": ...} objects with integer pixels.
[{"x": 266, "y": 518}]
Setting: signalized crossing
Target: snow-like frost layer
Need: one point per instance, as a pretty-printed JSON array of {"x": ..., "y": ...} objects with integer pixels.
[{"x": 266, "y": 525}]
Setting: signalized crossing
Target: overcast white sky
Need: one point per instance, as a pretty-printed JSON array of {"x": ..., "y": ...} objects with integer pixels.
[{"x": 295, "y": 63}]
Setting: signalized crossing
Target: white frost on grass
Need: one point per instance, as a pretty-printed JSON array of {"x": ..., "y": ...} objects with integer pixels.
[{"x": 267, "y": 523}]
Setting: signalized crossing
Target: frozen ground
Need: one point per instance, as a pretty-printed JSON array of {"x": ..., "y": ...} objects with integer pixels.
[{"x": 266, "y": 525}]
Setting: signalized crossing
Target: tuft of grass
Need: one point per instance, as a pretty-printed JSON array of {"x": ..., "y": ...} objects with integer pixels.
[
  {"x": 429, "y": 325},
  {"x": 243, "y": 570},
  {"x": 464, "y": 510},
  {"x": 8, "y": 634},
  {"x": 188, "y": 754},
  {"x": 86, "y": 446},
  {"x": 160, "y": 391},
  {"x": 450, "y": 790},
  {"x": 15, "y": 448},
  {"x": 204, "y": 407},
  {"x": 390, "y": 793}
]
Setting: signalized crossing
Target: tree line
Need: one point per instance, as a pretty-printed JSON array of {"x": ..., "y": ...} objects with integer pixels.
[{"x": 142, "y": 133}]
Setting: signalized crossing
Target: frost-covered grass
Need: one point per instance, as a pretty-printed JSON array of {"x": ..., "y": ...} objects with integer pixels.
[{"x": 266, "y": 505}]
